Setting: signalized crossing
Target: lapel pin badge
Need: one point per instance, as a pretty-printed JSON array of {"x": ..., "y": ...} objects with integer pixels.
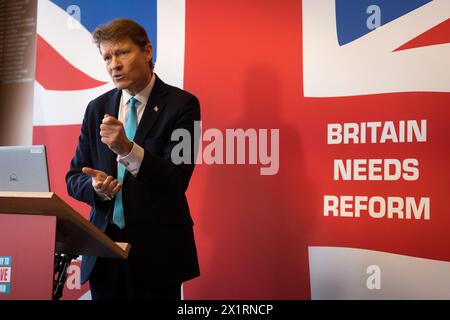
[{"x": 156, "y": 109}]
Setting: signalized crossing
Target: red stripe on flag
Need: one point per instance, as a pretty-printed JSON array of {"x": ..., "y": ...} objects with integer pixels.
[
  {"x": 54, "y": 72},
  {"x": 243, "y": 61},
  {"x": 439, "y": 34}
]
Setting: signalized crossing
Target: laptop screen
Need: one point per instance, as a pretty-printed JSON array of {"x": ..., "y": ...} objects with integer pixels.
[{"x": 24, "y": 168}]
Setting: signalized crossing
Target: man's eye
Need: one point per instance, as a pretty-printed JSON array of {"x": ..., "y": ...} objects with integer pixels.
[{"x": 107, "y": 58}]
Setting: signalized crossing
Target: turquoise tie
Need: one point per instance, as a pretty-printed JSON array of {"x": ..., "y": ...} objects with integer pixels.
[{"x": 130, "y": 131}]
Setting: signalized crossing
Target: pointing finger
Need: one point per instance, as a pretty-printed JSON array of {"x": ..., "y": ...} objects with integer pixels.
[{"x": 92, "y": 172}]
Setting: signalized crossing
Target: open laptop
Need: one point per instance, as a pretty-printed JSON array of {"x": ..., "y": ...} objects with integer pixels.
[{"x": 24, "y": 168}]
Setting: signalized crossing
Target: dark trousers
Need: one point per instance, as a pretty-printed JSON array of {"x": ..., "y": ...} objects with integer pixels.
[{"x": 115, "y": 279}]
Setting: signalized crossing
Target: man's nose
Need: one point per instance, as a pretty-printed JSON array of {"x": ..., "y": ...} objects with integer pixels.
[{"x": 115, "y": 63}]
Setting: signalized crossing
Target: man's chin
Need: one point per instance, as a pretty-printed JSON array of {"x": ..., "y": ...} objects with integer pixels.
[{"x": 120, "y": 85}]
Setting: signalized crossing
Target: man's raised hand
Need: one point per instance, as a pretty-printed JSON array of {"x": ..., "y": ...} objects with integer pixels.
[{"x": 112, "y": 134}]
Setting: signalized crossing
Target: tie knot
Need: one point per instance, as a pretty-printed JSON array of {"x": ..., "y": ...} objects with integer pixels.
[{"x": 132, "y": 102}]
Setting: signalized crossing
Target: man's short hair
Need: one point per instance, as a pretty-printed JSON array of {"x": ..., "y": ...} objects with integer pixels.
[{"x": 119, "y": 29}]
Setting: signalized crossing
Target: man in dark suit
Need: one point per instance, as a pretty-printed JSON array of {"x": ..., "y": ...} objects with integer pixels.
[{"x": 123, "y": 169}]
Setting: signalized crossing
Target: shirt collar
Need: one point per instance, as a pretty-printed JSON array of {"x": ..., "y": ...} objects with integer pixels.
[{"x": 143, "y": 95}]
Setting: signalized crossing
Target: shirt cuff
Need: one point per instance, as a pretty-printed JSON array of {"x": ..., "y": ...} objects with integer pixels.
[{"x": 133, "y": 160}]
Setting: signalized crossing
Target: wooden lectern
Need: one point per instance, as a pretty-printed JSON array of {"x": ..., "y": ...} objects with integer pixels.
[{"x": 39, "y": 236}]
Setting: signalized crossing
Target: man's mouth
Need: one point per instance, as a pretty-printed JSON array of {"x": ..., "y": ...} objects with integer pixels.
[{"x": 118, "y": 77}]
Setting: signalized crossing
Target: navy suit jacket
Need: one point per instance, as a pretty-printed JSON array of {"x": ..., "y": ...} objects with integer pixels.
[{"x": 158, "y": 222}]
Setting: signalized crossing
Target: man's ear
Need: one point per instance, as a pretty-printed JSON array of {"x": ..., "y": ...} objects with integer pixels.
[{"x": 149, "y": 51}]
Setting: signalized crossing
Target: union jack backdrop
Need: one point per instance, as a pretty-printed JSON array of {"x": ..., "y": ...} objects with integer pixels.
[{"x": 297, "y": 66}]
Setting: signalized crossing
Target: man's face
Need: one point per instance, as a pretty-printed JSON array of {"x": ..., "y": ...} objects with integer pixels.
[{"x": 127, "y": 64}]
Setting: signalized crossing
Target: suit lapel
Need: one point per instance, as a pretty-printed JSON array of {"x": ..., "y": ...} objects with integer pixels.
[
  {"x": 153, "y": 109},
  {"x": 112, "y": 109}
]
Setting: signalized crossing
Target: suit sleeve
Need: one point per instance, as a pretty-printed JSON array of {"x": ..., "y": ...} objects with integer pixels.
[
  {"x": 161, "y": 172},
  {"x": 79, "y": 185}
]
